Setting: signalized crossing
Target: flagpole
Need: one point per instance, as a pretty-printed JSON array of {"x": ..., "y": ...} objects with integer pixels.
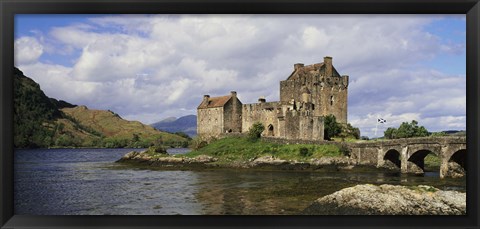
[{"x": 376, "y": 126}]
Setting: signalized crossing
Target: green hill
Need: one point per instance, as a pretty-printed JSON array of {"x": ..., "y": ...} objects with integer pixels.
[
  {"x": 40, "y": 121},
  {"x": 117, "y": 132}
]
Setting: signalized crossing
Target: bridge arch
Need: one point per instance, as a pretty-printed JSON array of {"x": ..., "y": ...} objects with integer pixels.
[
  {"x": 460, "y": 157},
  {"x": 455, "y": 166},
  {"x": 392, "y": 157},
  {"x": 416, "y": 159}
]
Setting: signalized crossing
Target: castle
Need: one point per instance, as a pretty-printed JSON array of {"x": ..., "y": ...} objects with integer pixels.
[{"x": 309, "y": 94}]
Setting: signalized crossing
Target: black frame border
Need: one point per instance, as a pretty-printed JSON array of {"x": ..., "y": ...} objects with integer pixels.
[{"x": 9, "y": 8}]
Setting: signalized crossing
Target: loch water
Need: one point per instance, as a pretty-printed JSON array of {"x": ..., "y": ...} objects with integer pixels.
[{"x": 89, "y": 182}]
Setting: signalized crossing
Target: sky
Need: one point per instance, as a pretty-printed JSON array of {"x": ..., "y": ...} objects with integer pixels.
[{"x": 150, "y": 67}]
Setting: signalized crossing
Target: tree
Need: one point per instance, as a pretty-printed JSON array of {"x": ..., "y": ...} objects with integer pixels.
[
  {"x": 255, "y": 131},
  {"x": 348, "y": 131},
  {"x": 406, "y": 130},
  {"x": 389, "y": 133},
  {"x": 332, "y": 128}
]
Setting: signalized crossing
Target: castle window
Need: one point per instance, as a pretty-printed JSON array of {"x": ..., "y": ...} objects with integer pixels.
[
  {"x": 331, "y": 100},
  {"x": 313, "y": 106}
]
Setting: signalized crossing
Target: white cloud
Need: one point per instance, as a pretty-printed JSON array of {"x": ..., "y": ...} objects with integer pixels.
[
  {"x": 155, "y": 66},
  {"x": 27, "y": 50}
]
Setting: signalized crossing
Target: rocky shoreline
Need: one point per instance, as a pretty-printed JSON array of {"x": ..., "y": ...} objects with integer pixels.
[
  {"x": 265, "y": 162},
  {"x": 389, "y": 200}
]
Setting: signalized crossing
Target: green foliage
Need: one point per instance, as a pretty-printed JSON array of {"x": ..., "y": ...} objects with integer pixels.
[
  {"x": 389, "y": 133},
  {"x": 158, "y": 149},
  {"x": 348, "y": 131},
  {"x": 198, "y": 143},
  {"x": 344, "y": 149},
  {"x": 255, "y": 131},
  {"x": 332, "y": 127},
  {"x": 183, "y": 135},
  {"x": 406, "y": 130},
  {"x": 33, "y": 112},
  {"x": 432, "y": 161},
  {"x": 242, "y": 149},
  {"x": 438, "y": 134},
  {"x": 78, "y": 126},
  {"x": 304, "y": 152}
]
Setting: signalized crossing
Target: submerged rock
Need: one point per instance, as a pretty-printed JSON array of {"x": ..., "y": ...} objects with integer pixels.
[{"x": 389, "y": 200}]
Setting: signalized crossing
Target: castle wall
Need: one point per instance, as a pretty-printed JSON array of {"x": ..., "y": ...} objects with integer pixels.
[
  {"x": 233, "y": 116},
  {"x": 210, "y": 121},
  {"x": 265, "y": 113},
  {"x": 328, "y": 94},
  {"x": 300, "y": 125}
]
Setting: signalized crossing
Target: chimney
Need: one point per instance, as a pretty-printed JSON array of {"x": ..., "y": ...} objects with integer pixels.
[
  {"x": 262, "y": 100},
  {"x": 328, "y": 66},
  {"x": 297, "y": 66},
  {"x": 234, "y": 94},
  {"x": 205, "y": 98}
]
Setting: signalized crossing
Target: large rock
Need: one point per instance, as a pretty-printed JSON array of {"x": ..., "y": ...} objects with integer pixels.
[
  {"x": 390, "y": 200},
  {"x": 267, "y": 160}
]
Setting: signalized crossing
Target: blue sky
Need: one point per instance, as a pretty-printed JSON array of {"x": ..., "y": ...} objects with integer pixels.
[{"x": 149, "y": 67}]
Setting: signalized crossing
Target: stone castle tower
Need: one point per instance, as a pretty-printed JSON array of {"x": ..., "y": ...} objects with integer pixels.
[{"x": 306, "y": 96}]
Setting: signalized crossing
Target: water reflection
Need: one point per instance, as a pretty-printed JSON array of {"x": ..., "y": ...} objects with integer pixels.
[{"x": 87, "y": 182}]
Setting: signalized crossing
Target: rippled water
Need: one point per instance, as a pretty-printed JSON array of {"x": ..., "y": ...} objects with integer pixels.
[{"x": 88, "y": 182}]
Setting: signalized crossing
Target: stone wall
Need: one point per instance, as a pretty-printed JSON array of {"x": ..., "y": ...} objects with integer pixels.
[
  {"x": 232, "y": 115},
  {"x": 364, "y": 156},
  {"x": 210, "y": 121},
  {"x": 285, "y": 141},
  {"x": 265, "y": 113},
  {"x": 319, "y": 84}
]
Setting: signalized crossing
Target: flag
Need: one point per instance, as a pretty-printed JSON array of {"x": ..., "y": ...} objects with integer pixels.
[{"x": 381, "y": 120}]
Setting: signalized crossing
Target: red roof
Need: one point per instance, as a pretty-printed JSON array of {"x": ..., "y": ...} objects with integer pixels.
[{"x": 215, "y": 102}]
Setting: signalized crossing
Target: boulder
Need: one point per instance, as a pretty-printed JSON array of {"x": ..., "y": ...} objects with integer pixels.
[
  {"x": 267, "y": 160},
  {"x": 389, "y": 200}
]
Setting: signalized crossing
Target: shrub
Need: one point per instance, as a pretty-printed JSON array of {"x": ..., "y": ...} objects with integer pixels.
[
  {"x": 158, "y": 149},
  {"x": 255, "y": 131},
  {"x": 304, "y": 152},
  {"x": 345, "y": 150},
  {"x": 198, "y": 143},
  {"x": 332, "y": 127}
]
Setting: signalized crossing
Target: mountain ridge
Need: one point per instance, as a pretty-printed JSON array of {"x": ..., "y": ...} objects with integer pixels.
[{"x": 186, "y": 124}]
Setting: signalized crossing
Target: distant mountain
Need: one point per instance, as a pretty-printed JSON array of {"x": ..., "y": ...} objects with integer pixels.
[
  {"x": 455, "y": 132},
  {"x": 186, "y": 124},
  {"x": 40, "y": 121}
]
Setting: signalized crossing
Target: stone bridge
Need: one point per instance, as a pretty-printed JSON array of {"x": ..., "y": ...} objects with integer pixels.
[{"x": 408, "y": 154}]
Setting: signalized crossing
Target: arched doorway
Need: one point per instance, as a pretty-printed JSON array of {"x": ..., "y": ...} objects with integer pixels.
[{"x": 270, "y": 131}]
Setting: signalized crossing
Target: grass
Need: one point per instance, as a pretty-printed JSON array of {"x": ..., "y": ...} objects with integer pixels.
[
  {"x": 240, "y": 149},
  {"x": 432, "y": 161},
  {"x": 422, "y": 188}
]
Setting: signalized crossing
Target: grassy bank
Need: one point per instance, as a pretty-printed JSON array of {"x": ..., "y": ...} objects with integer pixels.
[
  {"x": 432, "y": 162},
  {"x": 241, "y": 149}
]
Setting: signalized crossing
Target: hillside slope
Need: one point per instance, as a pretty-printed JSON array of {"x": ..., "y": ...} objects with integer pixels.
[
  {"x": 40, "y": 121},
  {"x": 186, "y": 124},
  {"x": 117, "y": 131}
]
